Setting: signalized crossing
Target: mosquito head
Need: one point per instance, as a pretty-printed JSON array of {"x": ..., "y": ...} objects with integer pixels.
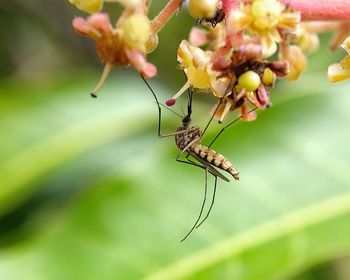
[{"x": 186, "y": 121}]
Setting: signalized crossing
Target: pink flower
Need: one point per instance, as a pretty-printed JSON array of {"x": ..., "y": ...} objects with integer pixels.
[{"x": 126, "y": 44}]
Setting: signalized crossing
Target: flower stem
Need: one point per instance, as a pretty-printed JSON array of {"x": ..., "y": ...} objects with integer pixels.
[
  {"x": 106, "y": 70},
  {"x": 321, "y": 9},
  {"x": 228, "y": 5},
  {"x": 162, "y": 18},
  {"x": 232, "y": 39},
  {"x": 309, "y": 9}
]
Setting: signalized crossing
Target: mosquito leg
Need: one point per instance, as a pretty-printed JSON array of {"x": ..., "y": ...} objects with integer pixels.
[
  {"x": 190, "y": 163},
  {"x": 214, "y": 192},
  {"x": 231, "y": 123},
  {"x": 190, "y": 91},
  {"x": 159, "y": 109},
  {"x": 211, "y": 204},
  {"x": 227, "y": 91},
  {"x": 187, "y": 157},
  {"x": 196, "y": 140},
  {"x": 202, "y": 207}
]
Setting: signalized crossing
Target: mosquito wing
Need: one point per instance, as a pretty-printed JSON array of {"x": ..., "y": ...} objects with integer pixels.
[{"x": 206, "y": 164}]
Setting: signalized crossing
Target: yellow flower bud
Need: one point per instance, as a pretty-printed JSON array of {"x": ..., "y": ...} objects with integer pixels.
[
  {"x": 249, "y": 80},
  {"x": 136, "y": 31},
  {"x": 202, "y": 8},
  {"x": 152, "y": 43},
  {"x": 89, "y": 6},
  {"x": 268, "y": 77}
]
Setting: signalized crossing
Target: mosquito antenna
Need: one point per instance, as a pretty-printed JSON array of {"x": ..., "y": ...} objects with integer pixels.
[
  {"x": 211, "y": 204},
  {"x": 202, "y": 207},
  {"x": 231, "y": 123},
  {"x": 217, "y": 107},
  {"x": 182, "y": 109}
]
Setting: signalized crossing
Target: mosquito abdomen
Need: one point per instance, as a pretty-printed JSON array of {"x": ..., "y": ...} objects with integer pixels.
[{"x": 215, "y": 159}]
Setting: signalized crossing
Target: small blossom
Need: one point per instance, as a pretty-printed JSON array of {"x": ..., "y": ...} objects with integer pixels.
[
  {"x": 194, "y": 62},
  {"x": 214, "y": 37},
  {"x": 249, "y": 74},
  {"x": 341, "y": 71},
  {"x": 136, "y": 31},
  {"x": 119, "y": 46},
  {"x": 263, "y": 18}
]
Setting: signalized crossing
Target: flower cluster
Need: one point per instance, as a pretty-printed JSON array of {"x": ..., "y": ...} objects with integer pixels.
[
  {"x": 237, "y": 50},
  {"x": 125, "y": 43},
  {"x": 235, "y": 65}
]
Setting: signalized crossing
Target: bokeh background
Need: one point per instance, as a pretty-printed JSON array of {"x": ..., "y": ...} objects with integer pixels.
[{"x": 88, "y": 191}]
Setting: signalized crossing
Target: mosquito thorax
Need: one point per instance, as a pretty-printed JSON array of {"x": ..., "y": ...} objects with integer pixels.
[{"x": 187, "y": 135}]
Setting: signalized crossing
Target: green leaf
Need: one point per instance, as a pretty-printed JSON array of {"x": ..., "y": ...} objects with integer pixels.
[{"x": 290, "y": 210}]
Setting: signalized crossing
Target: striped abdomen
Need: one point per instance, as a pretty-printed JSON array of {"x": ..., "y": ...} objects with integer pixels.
[{"x": 215, "y": 159}]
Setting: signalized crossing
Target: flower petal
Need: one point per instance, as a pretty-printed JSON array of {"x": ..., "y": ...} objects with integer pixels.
[
  {"x": 139, "y": 61},
  {"x": 336, "y": 73},
  {"x": 89, "y": 6}
]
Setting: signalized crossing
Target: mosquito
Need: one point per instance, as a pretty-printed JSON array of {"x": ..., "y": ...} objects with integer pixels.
[{"x": 188, "y": 140}]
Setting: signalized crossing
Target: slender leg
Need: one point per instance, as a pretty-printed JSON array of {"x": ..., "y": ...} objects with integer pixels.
[
  {"x": 217, "y": 107},
  {"x": 156, "y": 99},
  {"x": 231, "y": 123},
  {"x": 196, "y": 140},
  {"x": 202, "y": 207},
  {"x": 211, "y": 204},
  {"x": 190, "y": 162},
  {"x": 160, "y": 114}
]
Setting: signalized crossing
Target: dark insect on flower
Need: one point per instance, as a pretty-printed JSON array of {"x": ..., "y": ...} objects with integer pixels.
[
  {"x": 188, "y": 140},
  {"x": 219, "y": 17}
]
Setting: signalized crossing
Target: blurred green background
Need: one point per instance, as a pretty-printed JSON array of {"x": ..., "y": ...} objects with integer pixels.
[{"x": 88, "y": 191}]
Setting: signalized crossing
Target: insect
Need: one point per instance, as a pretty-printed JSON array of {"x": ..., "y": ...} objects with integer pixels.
[
  {"x": 219, "y": 17},
  {"x": 188, "y": 140}
]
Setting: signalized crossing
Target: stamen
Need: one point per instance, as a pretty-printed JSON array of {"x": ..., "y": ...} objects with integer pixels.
[
  {"x": 240, "y": 94},
  {"x": 172, "y": 101},
  {"x": 106, "y": 70},
  {"x": 225, "y": 111}
]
